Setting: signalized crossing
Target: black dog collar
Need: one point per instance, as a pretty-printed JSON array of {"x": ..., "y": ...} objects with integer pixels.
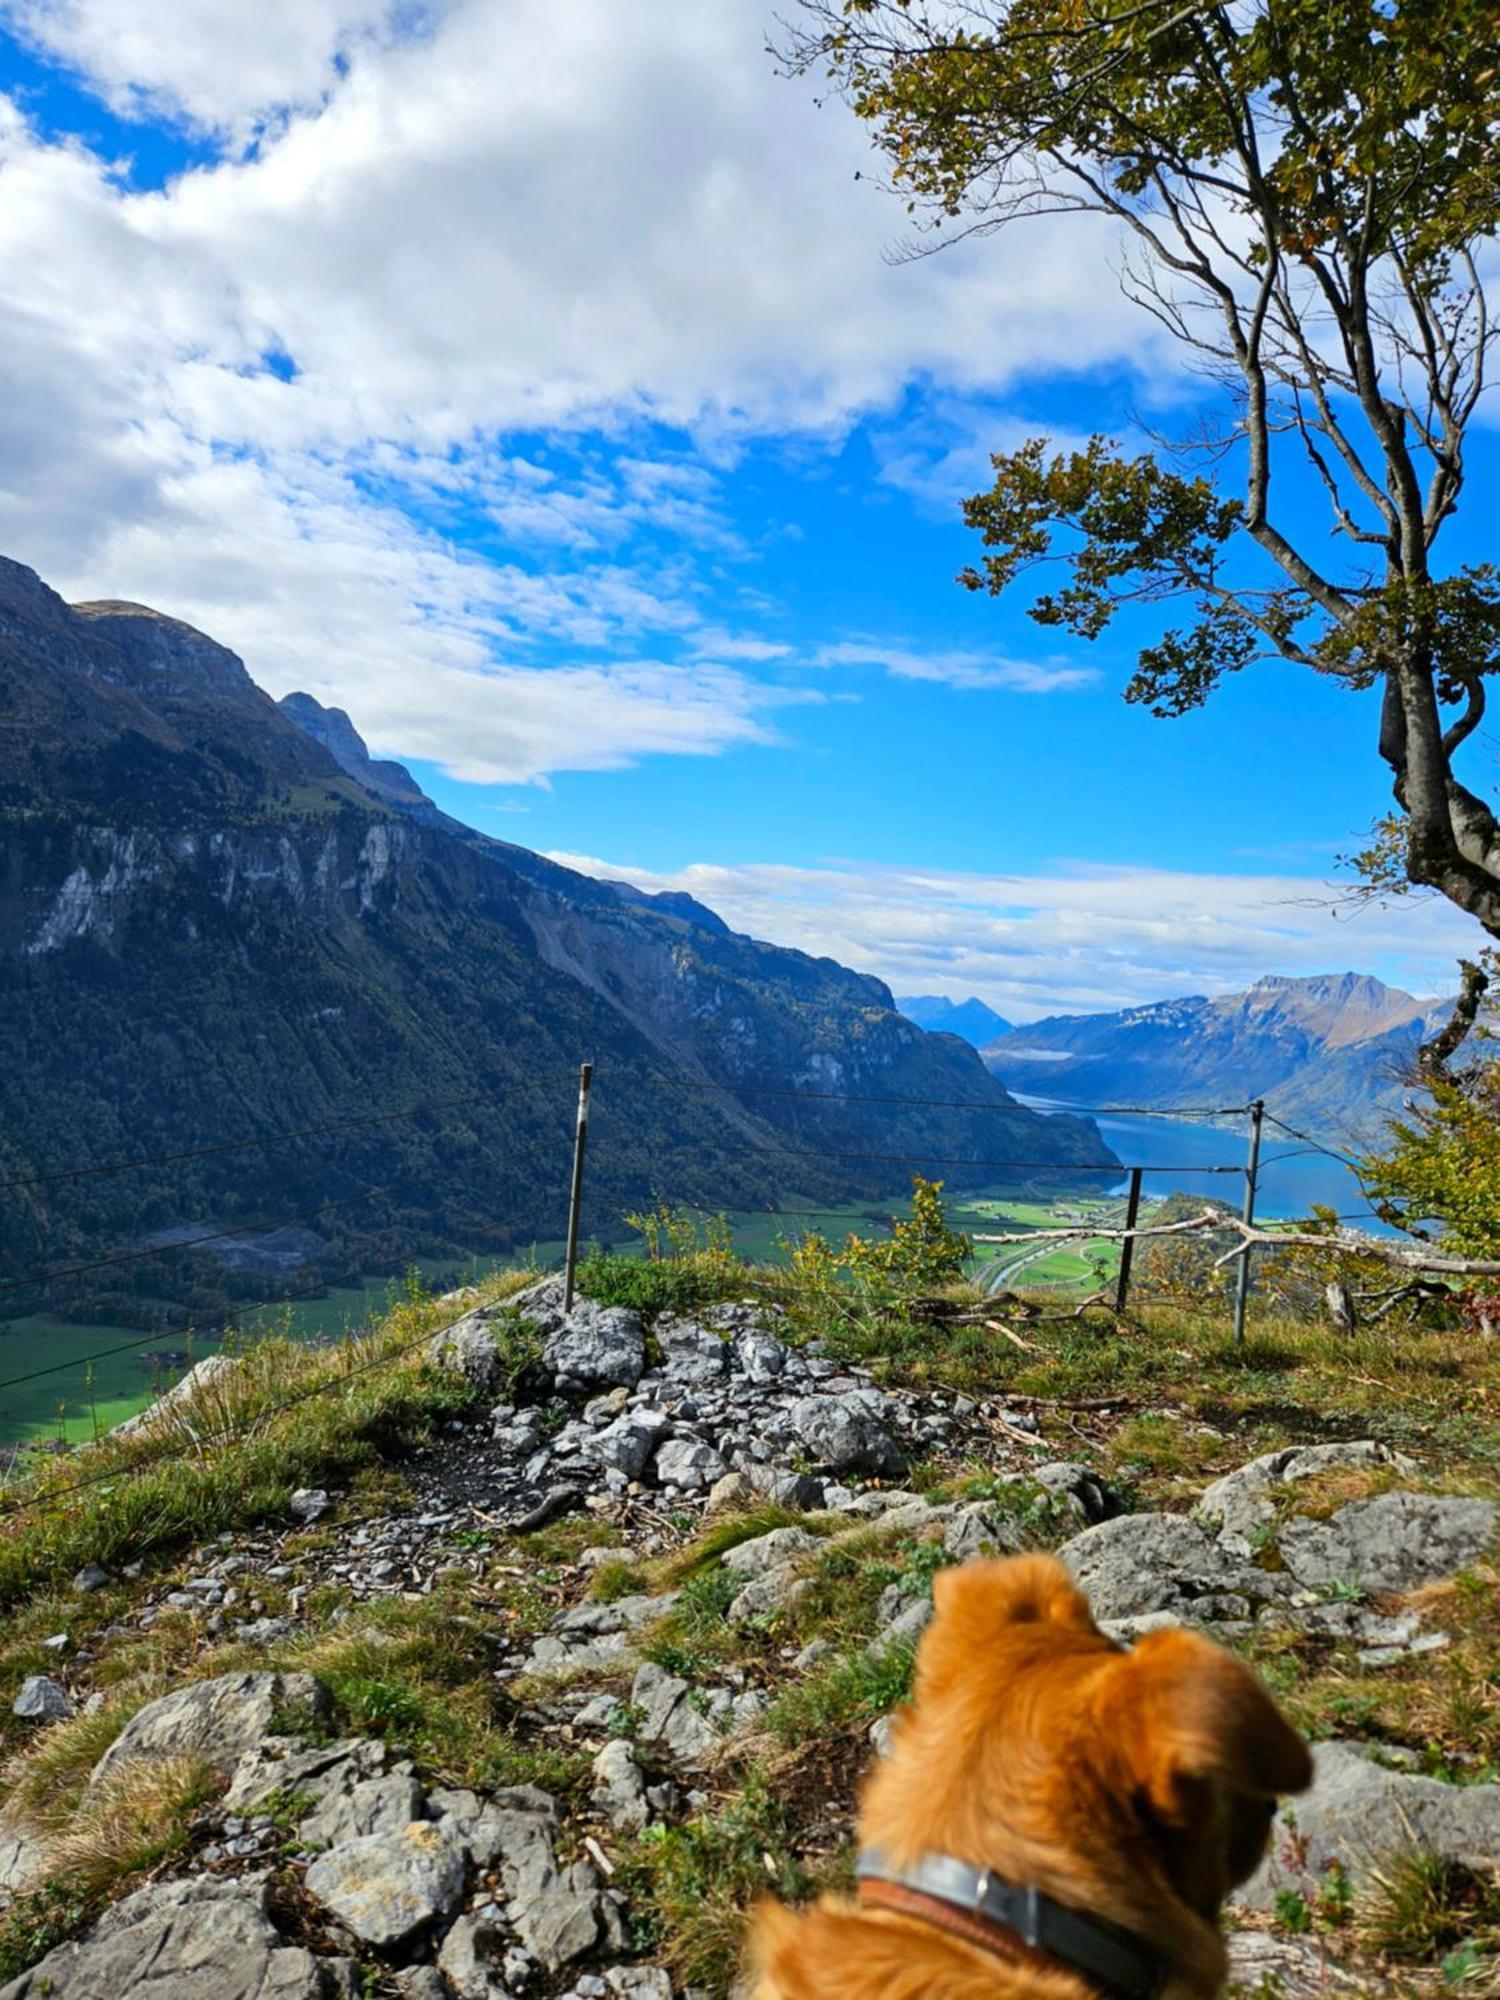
[{"x": 1111, "y": 1959}]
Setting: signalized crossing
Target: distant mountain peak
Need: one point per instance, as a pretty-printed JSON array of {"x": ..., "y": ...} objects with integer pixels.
[{"x": 972, "y": 1020}]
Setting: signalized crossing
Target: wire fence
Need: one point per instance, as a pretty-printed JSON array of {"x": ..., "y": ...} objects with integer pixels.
[{"x": 1109, "y": 1205}]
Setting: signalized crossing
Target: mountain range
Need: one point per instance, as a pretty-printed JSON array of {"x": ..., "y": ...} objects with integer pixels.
[
  {"x": 221, "y": 919},
  {"x": 971, "y": 1020},
  {"x": 1333, "y": 1051}
]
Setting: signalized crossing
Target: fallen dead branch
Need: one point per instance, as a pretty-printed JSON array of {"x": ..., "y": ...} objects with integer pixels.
[{"x": 1409, "y": 1256}]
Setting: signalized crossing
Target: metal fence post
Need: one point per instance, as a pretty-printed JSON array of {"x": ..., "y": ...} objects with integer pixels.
[
  {"x": 1252, "y": 1171},
  {"x": 575, "y": 1199},
  {"x": 1127, "y": 1247}
]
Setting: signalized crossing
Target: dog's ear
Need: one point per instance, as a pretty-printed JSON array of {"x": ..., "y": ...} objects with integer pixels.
[
  {"x": 1181, "y": 1711},
  {"x": 1009, "y": 1590}
]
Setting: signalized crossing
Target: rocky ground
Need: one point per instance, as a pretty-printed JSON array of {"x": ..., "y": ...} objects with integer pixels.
[{"x": 686, "y": 1561}]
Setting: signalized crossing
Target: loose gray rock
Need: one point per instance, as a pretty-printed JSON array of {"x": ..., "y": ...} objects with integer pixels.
[
  {"x": 1091, "y": 1497},
  {"x": 638, "y": 1982},
  {"x": 627, "y": 1444},
  {"x": 690, "y": 1352},
  {"x": 1158, "y": 1562},
  {"x": 1291, "y": 1968},
  {"x": 309, "y": 1504},
  {"x": 469, "y": 1349},
  {"x": 759, "y": 1357},
  {"x": 555, "y": 1912},
  {"x": 843, "y": 1434},
  {"x": 731, "y": 1494},
  {"x": 882, "y": 1734},
  {"x": 90, "y": 1578},
  {"x": 218, "y": 1719},
  {"x": 597, "y": 1347},
  {"x": 285, "y": 1764},
  {"x": 688, "y": 1464},
  {"x": 768, "y": 1595},
  {"x": 555, "y": 1502},
  {"x": 22, "y": 1859},
  {"x": 909, "y": 1623},
  {"x": 619, "y": 1791},
  {"x": 388, "y": 1885},
  {"x": 182, "y": 1940},
  {"x": 770, "y": 1551},
  {"x": 1393, "y": 1542},
  {"x": 470, "y": 1961},
  {"x": 541, "y": 1303},
  {"x": 1358, "y": 1813},
  {"x": 981, "y": 1530},
  {"x": 375, "y": 1805},
  {"x": 1238, "y": 1508},
  {"x": 487, "y": 1827},
  {"x": 424, "y": 1982},
  {"x": 42, "y": 1699},
  {"x": 669, "y": 1716},
  {"x": 560, "y": 1919}
]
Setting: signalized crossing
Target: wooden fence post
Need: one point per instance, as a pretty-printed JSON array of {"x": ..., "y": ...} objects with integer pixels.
[
  {"x": 1127, "y": 1248},
  {"x": 1252, "y": 1171},
  {"x": 575, "y": 1199}
]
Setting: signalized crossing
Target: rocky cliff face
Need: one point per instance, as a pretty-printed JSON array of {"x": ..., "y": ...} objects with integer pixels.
[
  {"x": 219, "y": 916},
  {"x": 1334, "y": 1050}
]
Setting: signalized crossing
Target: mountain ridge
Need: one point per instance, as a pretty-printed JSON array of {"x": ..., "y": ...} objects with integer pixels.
[
  {"x": 210, "y": 925},
  {"x": 1335, "y": 1048}
]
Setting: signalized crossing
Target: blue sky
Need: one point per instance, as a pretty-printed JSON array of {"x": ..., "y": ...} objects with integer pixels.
[{"x": 536, "y": 384}]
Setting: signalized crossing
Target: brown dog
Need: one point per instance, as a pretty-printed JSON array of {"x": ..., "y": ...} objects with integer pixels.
[{"x": 1046, "y": 1785}]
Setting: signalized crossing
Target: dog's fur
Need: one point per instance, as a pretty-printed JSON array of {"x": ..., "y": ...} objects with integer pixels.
[{"x": 1135, "y": 1786}]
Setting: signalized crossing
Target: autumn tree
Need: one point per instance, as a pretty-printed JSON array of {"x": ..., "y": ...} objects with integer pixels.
[{"x": 1304, "y": 188}]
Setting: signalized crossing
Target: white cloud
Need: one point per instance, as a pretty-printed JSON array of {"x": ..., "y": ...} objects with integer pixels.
[
  {"x": 215, "y": 65},
  {"x": 457, "y": 222},
  {"x": 958, "y": 669},
  {"x": 1090, "y": 937}
]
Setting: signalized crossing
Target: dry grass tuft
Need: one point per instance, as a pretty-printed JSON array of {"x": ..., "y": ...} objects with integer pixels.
[
  {"x": 1423, "y": 1904},
  {"x": 135, "y": 1819},
  {"x": 46, "y": 1783}
]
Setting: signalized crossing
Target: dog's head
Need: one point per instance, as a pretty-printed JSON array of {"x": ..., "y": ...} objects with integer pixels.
[{"x": 1037, "y": 1747}]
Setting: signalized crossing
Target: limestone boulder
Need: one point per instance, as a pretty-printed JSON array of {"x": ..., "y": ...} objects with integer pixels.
[
  {"x": 1359, "y": 1813},
  {"x": 1393, "y": 1542},
  {"x": 387, "y": 1886},
  {"x": 1139, "y": 1563},
  {"x": 218, "y": 1720},
  {"x": 845, "y": 1434},
  {"x": 184, "y": 1940},
  {"x": 1239, "y": 1508},
  {"x": 597, "y": 1347}
]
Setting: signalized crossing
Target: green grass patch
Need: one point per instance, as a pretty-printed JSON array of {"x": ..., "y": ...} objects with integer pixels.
[
  {"x": 690, "y": 1886},
  {"x": 844, "y": 1694},
  {"x": 285, "y": 1416}
]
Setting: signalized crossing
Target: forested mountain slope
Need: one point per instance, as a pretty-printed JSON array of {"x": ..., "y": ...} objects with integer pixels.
[{"x": 216, "y": 924}]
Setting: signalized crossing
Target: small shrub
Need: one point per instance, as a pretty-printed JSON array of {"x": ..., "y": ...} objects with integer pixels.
[
  {"x": 920, "y": 1254},
  {"x": 1293, "y": 1912}
]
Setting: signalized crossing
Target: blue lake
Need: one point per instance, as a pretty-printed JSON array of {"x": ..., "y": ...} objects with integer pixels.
[{"x": 1177, "y": 1152}]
